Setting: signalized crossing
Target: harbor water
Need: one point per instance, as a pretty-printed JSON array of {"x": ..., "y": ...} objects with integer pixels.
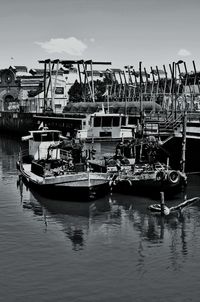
[{"x": 112, "y": 249}]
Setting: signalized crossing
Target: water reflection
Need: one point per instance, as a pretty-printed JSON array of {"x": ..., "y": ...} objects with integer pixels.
[
  {"x": 127, "y": 213},
  {"x": 9, "y": 150}
]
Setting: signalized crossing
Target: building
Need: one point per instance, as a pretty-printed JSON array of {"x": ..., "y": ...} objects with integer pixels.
[{"x": 23, "y": 90}]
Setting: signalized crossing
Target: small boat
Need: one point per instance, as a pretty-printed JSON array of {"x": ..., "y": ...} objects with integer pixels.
[
  {"x": 145, "y": 176},
  {"x": 132, "y": 175},
  {"x": 53, "y": 171}
]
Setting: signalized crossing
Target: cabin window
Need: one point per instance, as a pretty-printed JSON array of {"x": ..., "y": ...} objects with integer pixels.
[
  {"x": 115, "y": 121},
  {"x": 97, "y": 122},
  {"x": 105, "y": 134},
  {"x": 132, "y": 120},
  {"x": 123, "y": 122},
  {"x": 106, "y": 121},
  {"x": 46, "y": 137}
]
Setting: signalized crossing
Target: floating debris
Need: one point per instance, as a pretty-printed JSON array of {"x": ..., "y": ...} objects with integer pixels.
[{"x": 163, "y": 209}]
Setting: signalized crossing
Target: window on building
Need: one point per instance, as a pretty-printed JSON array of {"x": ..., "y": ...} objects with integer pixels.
[
  {"x": 57, "y": 106},
  {"x": 59, "y": 90}
]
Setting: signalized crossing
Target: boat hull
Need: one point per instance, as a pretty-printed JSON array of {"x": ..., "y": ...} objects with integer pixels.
[
  {"x": 151, "y": 187},
  {"x": 79, "y": 188}
]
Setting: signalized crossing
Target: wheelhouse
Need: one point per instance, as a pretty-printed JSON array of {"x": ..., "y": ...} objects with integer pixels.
[{"x": 39, "y": 142}]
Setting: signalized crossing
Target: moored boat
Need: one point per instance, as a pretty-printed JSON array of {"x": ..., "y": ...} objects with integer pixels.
[
  {"x": 144, "y": 175},
  {"x": 54, "y": 172},
  {"x": 105, "y": 126},
  {"x": 147, "y": 179}
]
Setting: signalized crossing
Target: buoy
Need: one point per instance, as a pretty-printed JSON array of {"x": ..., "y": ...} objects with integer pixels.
[{"x": 174, "y": 177}]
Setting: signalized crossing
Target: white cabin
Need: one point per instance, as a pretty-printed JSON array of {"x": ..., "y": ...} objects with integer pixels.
[
  {"x": 39, "y": 142},
  {"x": 101, "y": 125}
]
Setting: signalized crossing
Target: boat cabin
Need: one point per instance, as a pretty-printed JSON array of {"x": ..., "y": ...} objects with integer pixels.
[
  {"x": 101, "y": 125},
  {"x": 43, "y": 144}
]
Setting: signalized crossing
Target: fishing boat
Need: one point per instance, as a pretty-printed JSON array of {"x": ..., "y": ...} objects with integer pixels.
[
  {"x": 103, "y": 125},
  {"x": 53, "y": 171},
  {"x": 148, "y": 179},
  {"x": 144, "y": 175},
  {"x": 104, "y": 129}
]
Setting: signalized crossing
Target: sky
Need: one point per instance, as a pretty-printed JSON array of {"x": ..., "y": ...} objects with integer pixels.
[{"x": 123, "y": 32}]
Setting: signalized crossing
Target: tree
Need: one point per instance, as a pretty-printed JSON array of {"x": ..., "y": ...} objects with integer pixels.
[{"x": 75, "y": 92}]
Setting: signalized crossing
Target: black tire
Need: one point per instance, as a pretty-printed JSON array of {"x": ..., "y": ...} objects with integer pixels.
[
  {"x": 160, "y": 176},
  {"x": 174, "y": 177}
]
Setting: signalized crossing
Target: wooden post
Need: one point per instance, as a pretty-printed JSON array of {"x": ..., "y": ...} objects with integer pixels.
[
  {"x": 141, "y": 94},
  {"x": 188, "y": 83},
  {"x": 92, "y": 80},
  {"x": 80, "y": 80},
  {"x": 171, "y": 67},
  {"x": 50, "y": 83},
  {"x": 120, "y": 87},
  {"x": 125, "y": 93},
  {"x": 108, "y": 103},
  {"x": 146, "y": 83},
  {"x": 115, "y": 86},
  {"x": 54, "y": 86},
  {"x": 158, "y": 82},
  {"x": 165, "y": 83},
  {"x": 162, "y": 203},
  {"x": 141, "y": 149},
  {"x": 44, "y": 85},
  {"x": 184, "y": 141},
  {"x": 152, "y": 90},
  {"x": 196, "y": 81}
]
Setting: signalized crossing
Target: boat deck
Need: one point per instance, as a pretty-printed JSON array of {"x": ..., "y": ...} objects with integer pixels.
[{"x": 81, "y": 179}]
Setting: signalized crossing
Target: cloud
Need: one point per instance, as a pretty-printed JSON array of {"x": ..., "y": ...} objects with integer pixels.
[
  {"x": 71, "y": 46},
  {"x": 92, "y": 40},
  {"x": 184, "y": 53}
]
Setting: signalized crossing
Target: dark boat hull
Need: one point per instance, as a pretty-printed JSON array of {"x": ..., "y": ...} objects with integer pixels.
[
  {"x": 64, "y": 192},
  {"x": 72, "y": 193},
  {"x": 148, "y": 187},
  {"x": 82, "y": 190}
]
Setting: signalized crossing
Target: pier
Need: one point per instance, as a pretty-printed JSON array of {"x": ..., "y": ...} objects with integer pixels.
[{"x": 155, "y": 100}]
